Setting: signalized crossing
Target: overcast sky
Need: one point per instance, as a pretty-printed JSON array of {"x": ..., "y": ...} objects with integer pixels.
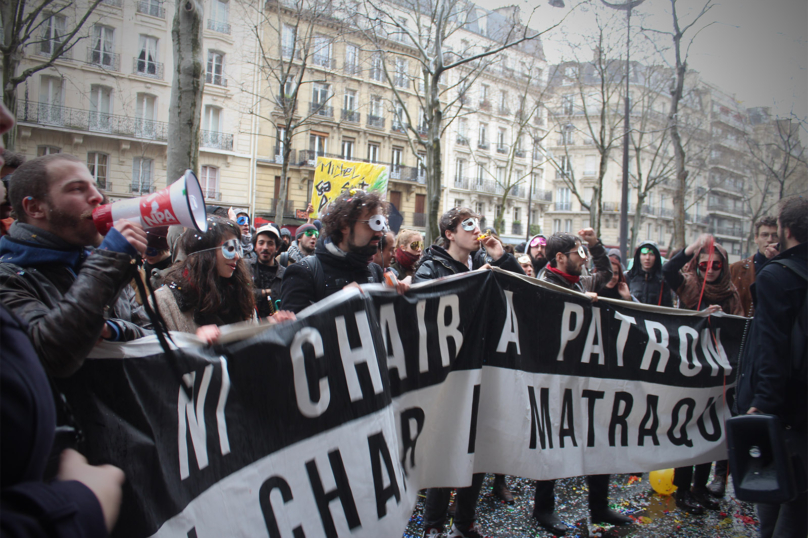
[{"x": 756, "y": 50}]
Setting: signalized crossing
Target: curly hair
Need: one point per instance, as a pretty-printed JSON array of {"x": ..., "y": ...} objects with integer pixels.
[
  {"x": 405, "y": 236},
  {"x": 765, "y": 221},
  {"x": 197, "y": 283},
  {"x": 794, "y": 216},
  {"x": 347, "y": 208}
]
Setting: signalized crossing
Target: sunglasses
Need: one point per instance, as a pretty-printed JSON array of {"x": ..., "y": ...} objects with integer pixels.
[
  {"x": 647, "y": 250},
  {"x": 377, "y": 223},
  {"x": 230, "y": 249},
  {"x": 417, "y": 245},
  {"x": 151, "y": 251},
  {"x": 242, "y": 220},
  {"x": 311, "y": 233},
  {"x": 538, "y": 241},
  {"x": 581, "y": 252},
  {"x": 469, "y": 224},
  {"x": 716, "y": 266}
]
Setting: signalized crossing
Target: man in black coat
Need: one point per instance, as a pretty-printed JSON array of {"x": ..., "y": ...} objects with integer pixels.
[
  {"x": 772, "y": 372},
  {"x": 353, "y": 227},
  {"x": 645, "y": 280},
  {"x": 460, "y": 234},
  {"x": 267, "y": 273},
  {"x": 69, "y": 295}
]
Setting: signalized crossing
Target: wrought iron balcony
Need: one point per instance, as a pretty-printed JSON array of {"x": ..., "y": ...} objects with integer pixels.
[
  {"x": 502, "y": 149},
  {"x": 482, "y": 145},
  {"x": 112, "y": 3},
  {"x": 216, "y": 140},
  {"x": 104, "y": 59},
  {"x": 503, "y": 111},
  {"x": 141, "y": 188},
  {"x": 216, "y": 79},
  {"x": 285, "y": 102},
  {"x": 351, "y": 116},
  {"x": 324, "y": 61},
  {"x": 85, "y": 120},
  {"x": 219, "y": 26},
  {"x": 419, "y": 219},
  {"x": 401, "y": 82},
  {"x": 461, "y": 183},
  {"x": 278, "y": 155},
  {"x": 462, "y": 141},
  {"x": 147, "y": 68},
  {"x": 151, "y": 7},
  {"x": 376, "y": 122},
  {"x": 352, "y": 69},
  {"x": 517, "y": 228},
  {"x": 288, "y": 207},
  {"x": 320, "y": 109},
  {"x": 398, "y": 127},
  {"x": 212, "y": 194},
  {"x": 520, "y": 153},
  {"x": 308, "y": 157},
  {"x": 563, "y": 206},
  {"x": 290, "y": 52},
  {"x": 376, "y": 74},
  {"x": 542, "y": 196}
]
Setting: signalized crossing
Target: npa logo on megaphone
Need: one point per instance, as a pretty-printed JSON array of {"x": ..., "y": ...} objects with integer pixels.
[{"x": 181, "y": 203}]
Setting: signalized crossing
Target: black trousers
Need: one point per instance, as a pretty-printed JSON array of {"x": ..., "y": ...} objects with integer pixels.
[
  {"x": 544, "y": 500},
  {"x": 437, "y": 504},
  {"x": 683, "y": 477}
]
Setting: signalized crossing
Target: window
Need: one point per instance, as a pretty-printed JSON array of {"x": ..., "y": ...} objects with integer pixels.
[
  {"x": 503, "y": 100},
  {"x": 458, "y": 202},
  {"x": 288, "y": 87},
  {"x": 373, "y": 152},
  {"x": 103, "y": 51},
  {"x": 401, "y": 79},
  {"x": 501, "y": 179},
  {"x": 100, "y": 108},
  {"x": 497, "y": 211},
  {"x": 517, "y": 214},
  {"x": 209, "y": 181},
  {"x": 280, "y": 146},
  {"x": 347, "y": 148},
  {"x": 590, "y": 165},
  {"x": 483, "y": 138},
  {"x": 318, "y": 144},
  {"x": 501, "y": 136},
  {"x": 376, "y": 106},
  {"x": 53, "y": 31},
  {"x": 220, "y": 17},
  {"x": 484, "y": 94},
  {"x": 212, "y": 119},
  {"x": 397, "y": 157},
  {"x": 376, "y": 68},
  {"x": 570, "y": 74},
  {"x": 322, "y": 51},
  {"x": 398, "y": 118},
  {"x": 213, "y": 127},
  {"x": 349, "y": 102},
  {"x": 50, "y": 100},
  {"x": 215, "y": 74},
  {"x": 421, "y": 167},
  {"x": 47, "y": 150},
  {"x": 566, "y": 165},
  {"x": 481, "y": 174},
  {"x": 142, "y": 175},
  {"x": 556, "y": 225},
  {"x": 568, "y": 104},
  {"x": 319, "y": 94},
  {"x": 460, "y": 170},
  {"x": 648, "y": 231},
  {"x": 563, "y": 199},
  {"x": 288, "y": 39},
  {"x": 147, "y": 59},
  {"x": 463, "y": 129},
  {"x": 352, "y": 59},
  {"x": 567, "y": 138},
  {"x": 97, "y": 164},
  {"x": 151, "y": 7},
  {"x": 479, "y": 208},
  {"x": 568, "y": 225},
  {"x": 145, "y": 126}
]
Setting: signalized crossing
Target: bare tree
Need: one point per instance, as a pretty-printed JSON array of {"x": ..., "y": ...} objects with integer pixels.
[
  {"x": 43, "y": 27},
  {"x": 184, "y": 112},
  {"x": 429, "y": 29}
]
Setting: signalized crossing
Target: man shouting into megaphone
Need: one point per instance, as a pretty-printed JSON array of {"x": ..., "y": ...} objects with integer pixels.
[{"x": 59, "y": 274}]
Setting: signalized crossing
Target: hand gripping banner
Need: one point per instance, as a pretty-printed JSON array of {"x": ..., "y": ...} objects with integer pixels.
[{"x": 329, "y": 425}]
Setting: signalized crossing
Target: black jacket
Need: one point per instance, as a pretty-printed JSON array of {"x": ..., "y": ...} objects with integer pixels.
[
  {"x": 65, "y": 294},
  {"x": 765, "y": 378},
  {"x": 266, "y": 278},
  {"x": 300, "y": 287},
  {"x": 594, "y": 282},
  {"x": 649, "y": 287},
  {"x": 31, "y": 507},
  {"x": 437, "y": 263}
]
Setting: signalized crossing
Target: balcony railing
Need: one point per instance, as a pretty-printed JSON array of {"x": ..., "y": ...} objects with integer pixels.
[
  {"x": 563, "y": 206},
  {"x": 215, "y": 79},
  {"x": 732, "y": 231},
  {"x": 104, "y": 59},
  {"x": 462, "y": 141},
  {"x": 502, "y": 149},
  {"x": 352, "y": 69},
  {"x": 85, "y": 120},
  {"x": 398, "y": 127},
  {"x": 211, "y": 194},
  {"x": 112, "y": 3},
  {"x": 520, "y": 153},
  {"x": 278, "y": 155},
  {"x": 666, "y": 212},
  {"x": 285, "y": 102},
  {"x": 542, "y": 196},
  {"x": 147, "y": 68},
  {"x": 611, "y": 207},
  {"x": 376, "y": 74},
  {"x": 324, "y": 61},
  {"x": 400, "y": 172},
  {"x": 376, "y": 122},
  {"x": 141, "y": 188},
  {"x": 150, "y": 7},
  {"x": 502, "y": 111},
  {"x": 290, "y": 52},
  {"x": 461, "y": 183},
  {"x": 219, "y": 26},
  {"x": 727, "y": 185},
  {"x": 401, "y": 82},
  {"x": 516, "y": 228},
  {"x": 560, "y": 174},
  {"x": 419, "y": 219},
  {"x": 216, "y": 140},
  {"x": 288, "y": 208},
  {"x": 320, "y": 109},
  {"x": 482, "y": 145},
  {"x": 351, "y": 116},
  {"x": 308, "y": 157}
]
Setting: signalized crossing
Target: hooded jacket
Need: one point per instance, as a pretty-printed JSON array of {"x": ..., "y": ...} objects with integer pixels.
[
  {"x": 437, "y": 263},
  {"x": 682, "y": 275},
  {"x": 300, "y": 287},
  {"x": 538, "y": 265},
  {"x": 66, "y": 293},
  {"x": 649, "y": 287}
]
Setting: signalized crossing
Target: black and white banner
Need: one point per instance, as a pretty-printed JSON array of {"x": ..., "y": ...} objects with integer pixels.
[{"x": 329, "y": 425}]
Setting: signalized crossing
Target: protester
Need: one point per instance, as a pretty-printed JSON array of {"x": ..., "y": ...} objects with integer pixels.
[
  {"x": 617, "y": 288},
  {"x": 12, "y": 161},
  {"x": 460, "y": 252},
  {"x": 69, "y": 295},
  {"x": 286, "y": 239},
  {"x": 536, "y": 250},
  {"x": 409, "y": 246},
  {"x": 384, "y": 255},
  {"x": 83, "y": 499},
  {"x": 267, "y": 273},
  {"x": 566, "y": 257},
  {"x": 742, "y": 273},
  {"x": 703, "y": 284},
  {"x": 645, "y": 279},
  {"x": 772, "y": 372},
  {"x": 353, "y": 228},
  {"x": 306, "y": 241},
  {"x": 527, "y": 265},
  {"x": 243, "y": 220}
]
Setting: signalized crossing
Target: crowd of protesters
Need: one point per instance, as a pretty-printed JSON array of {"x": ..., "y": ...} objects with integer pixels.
[{"x": 64, "y": 287}]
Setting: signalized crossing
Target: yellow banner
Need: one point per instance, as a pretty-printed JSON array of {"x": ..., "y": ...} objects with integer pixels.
[{"x": 332, "y": 176}]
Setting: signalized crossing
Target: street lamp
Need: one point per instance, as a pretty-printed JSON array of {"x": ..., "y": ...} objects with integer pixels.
[{"x": 626, "y": 6}]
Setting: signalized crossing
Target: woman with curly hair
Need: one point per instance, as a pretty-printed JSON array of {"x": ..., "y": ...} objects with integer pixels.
[{"x": 212, "y": 286}]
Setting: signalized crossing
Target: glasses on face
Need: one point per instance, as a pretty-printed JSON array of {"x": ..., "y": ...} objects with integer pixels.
[
  {"x": 151, "y": 251},
  {"x": 647, "y": 250},
  {"x": 581, "y": 252},
  {"x": 243, "y": 220},
  {"x": 377, "y": 223},
  {"x": 716, "y": 266},
  {"x": 417, "y": 245},
  {"x": 469, "y": 224},
  {"x": 311, "y": 233}
]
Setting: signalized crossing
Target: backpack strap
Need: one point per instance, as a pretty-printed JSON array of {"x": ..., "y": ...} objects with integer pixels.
[{"x": 312, "y": 263}]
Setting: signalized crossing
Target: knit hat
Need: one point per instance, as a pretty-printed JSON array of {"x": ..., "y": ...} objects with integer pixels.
[
  {"x": 285, "y": 231},
  {"x": 303, "y": 229}
]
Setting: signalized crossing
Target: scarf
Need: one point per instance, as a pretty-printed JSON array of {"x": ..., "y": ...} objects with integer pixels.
[
  {"x": 569, "y": 278},
  {"x": 721, "y": 291},
  {"x": 405, "y": 259}
]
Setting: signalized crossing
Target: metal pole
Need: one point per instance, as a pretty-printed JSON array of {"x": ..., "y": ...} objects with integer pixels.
[{"x": 626, "y": 126}]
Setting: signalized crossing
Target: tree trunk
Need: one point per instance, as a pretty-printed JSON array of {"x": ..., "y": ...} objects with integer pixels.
[
  {"x": 186, "y": 90},
  {"x": 434, "y": 177},
  {"x": 635, "y": 227}
]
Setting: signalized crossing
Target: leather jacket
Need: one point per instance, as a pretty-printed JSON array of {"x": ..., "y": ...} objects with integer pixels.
[
  {"x": 742, "y": 274},
  {"x": 594, "y": 282},
  {"x": 436, "y": 263}
]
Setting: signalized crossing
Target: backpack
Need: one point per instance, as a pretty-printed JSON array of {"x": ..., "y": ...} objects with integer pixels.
[{"x": 799, "y": 331}]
